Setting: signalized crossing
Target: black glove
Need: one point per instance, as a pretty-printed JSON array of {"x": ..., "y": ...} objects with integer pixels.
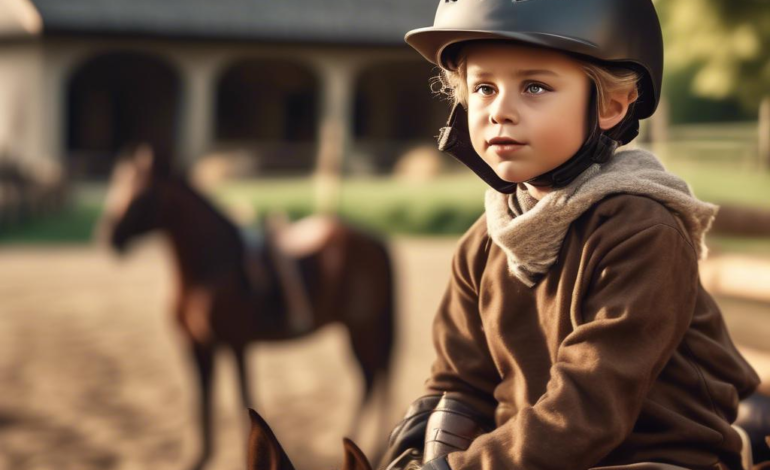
[
  {"x": 407, "y": 439},
  {"x": 411, "y": 459},
  {"x": 439, "y": 463}
]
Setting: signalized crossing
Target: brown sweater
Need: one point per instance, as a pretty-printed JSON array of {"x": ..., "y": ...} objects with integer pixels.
[{"x": 618, "y": 355}]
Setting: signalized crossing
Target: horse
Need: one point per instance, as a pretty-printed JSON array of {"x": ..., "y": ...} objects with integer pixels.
[
  {"x": 266, "y": 453},
  {"x": 301, "y": 278}
]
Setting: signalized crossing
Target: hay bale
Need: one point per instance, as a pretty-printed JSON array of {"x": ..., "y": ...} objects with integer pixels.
[
  {"x": 419, "y": 164},
  {"x": 742, "y": 221},
  {"x": 215, "y": 168}
]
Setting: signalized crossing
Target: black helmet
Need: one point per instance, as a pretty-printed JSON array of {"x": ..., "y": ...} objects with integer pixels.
[{"x": 620, "y": 32}]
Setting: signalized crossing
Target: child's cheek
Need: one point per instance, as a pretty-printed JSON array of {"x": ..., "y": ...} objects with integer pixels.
[
  {"x": 558, "y": 135},
  {"x": 476, "y": 128}
]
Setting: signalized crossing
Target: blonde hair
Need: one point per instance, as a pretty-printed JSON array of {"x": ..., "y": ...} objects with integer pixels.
[{"x": 609, "y": 79}]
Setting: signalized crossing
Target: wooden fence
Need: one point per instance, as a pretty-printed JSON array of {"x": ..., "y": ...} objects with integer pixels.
[{"x": 29, "y": 190}]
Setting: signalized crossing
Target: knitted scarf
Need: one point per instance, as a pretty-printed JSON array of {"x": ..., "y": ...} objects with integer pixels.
[{"x": 531, "y": 232}]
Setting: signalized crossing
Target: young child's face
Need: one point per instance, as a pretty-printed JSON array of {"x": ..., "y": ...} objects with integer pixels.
[{"x": 544, "y": 112}]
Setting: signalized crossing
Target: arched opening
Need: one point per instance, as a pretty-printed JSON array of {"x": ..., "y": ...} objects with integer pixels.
[
  {"x": 117, "y": 100},
  {"x": 394, "y": 111},
  {"x": 269, "y": 108}
]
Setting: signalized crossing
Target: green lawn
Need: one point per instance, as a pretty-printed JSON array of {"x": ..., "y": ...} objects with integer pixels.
[
  {"x": 722, "y": 184},
  {"x": 718, "y": 161},
  {"x": 746, "y": 246},
  {"x": 73, "y": 225},
  {"x": 447, "y": 205}
]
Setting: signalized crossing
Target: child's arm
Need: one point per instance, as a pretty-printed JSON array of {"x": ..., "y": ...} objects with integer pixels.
[
  {"x": 635, "y": 313},
  {"x": 463, "y": 367}
]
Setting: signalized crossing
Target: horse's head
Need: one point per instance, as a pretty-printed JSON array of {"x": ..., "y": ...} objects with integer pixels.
[
  {"x": 133, "y": 199},
  {"x": 265, "y": 453}
]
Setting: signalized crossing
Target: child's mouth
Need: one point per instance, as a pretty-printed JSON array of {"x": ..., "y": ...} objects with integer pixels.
[{"x": 504, "y": 145}]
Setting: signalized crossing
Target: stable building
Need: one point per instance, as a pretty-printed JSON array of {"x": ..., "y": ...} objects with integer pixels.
[{"x": 285, "y": 82}]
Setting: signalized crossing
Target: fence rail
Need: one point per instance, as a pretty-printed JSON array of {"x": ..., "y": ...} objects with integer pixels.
[{"x": 29, "y": 190}]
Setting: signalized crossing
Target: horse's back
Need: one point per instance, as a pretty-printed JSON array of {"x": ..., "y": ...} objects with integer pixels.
[{"x": 306, "y": 236}]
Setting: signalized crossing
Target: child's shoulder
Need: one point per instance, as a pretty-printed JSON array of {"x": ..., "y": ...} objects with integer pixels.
[
  {"x": 625, "y": 215},
  {"x": 633, "y": 209},
  {"x": 474, "y": 243}
]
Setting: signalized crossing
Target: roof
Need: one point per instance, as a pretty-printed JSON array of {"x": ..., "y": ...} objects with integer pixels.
[{"x": 330, "y": 21}]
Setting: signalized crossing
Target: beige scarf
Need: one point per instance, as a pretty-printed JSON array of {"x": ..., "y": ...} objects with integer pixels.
[{"x": 531, "y": 232}]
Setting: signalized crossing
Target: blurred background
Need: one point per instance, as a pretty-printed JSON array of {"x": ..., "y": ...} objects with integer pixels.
[{"x": 305, "y": 108}]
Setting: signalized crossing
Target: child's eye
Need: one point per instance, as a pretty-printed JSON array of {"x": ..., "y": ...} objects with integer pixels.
[
  {"x": 536, "y": 85},
  {"x": 485, "y": 90}
]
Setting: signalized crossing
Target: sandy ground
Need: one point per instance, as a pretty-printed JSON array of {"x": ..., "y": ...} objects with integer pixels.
[{"x": 92, "y": 374}]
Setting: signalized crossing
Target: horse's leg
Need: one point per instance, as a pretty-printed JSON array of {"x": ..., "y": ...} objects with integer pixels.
[
  {"x": 372, "y": 340},
  {"x": 203, "y": 355},
  {"x": 372, "y": 344},
  {"x": 362, "y": 353},
  {"x": 241, "y": 362}
]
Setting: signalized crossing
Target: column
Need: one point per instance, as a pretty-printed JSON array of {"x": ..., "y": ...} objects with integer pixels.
[
  {"x": 334, "y": 131},
  {"x": 197, "y": 111}
]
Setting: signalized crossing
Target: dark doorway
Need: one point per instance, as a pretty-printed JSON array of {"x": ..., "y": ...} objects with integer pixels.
[
  {"x": 269, "y": 108},
  {"x": 395, "y": 109},
  {"x": 116, "y": 101}
]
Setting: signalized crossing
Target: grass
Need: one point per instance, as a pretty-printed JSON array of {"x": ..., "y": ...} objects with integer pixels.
[
  {"x": 718, "y": 161},
  {"x": 72, "y": 225},
  {"x": 746, "y": 246},
  {"x": 446, "y": 205},
  {"x": 724, "y": 185}
]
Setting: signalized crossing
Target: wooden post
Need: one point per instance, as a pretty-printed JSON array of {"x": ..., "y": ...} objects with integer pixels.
[
  {"x": 335, "y": 135},
  {"x": 197, "y": 128},
  {"x": 764, "y": 133}
]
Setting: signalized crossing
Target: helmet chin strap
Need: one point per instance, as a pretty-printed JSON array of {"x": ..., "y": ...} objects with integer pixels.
[{"x": 454, "y": 139}]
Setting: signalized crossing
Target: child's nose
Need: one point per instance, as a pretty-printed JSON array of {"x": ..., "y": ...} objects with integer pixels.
[{"x": 504, "y": 111}]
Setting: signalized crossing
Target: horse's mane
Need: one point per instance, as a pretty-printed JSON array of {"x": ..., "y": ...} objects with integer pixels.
[{"x": 229, "y": 225}]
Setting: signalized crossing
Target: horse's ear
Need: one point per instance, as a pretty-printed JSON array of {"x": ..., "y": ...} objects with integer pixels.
[
  {"x": 144, "y": 158},
  {"x": 151, "y": 163},
  {"x": 265, "y": 453},
  {"x": 354, "y": 458}
]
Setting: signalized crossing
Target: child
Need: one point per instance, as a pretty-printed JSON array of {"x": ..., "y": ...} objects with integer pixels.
[{"x": 574, "y": 333}]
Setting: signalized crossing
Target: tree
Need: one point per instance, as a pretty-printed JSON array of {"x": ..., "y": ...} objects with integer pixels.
[{"x": 728, "y": 42}]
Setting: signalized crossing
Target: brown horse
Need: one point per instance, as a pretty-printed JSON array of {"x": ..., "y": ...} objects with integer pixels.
[
  {"x": 266, "y": 453},
  {"x": 227, "y": 295}
]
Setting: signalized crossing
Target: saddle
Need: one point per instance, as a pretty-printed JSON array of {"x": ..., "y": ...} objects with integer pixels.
[
  {"x": 754, "y": 420},
  {"x": 276, "y": 267},
  {"x": 303, "y": 237}
]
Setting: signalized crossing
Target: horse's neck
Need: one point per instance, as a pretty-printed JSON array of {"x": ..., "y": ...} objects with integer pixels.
[{"x": 205, "y": 244}]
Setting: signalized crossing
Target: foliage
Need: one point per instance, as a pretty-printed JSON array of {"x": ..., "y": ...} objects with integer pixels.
[
  {"x": 686, "y": 107},
  {"x": 446, "y": 205},
  {"x": 727, "y": 42},
  {"x": 73, "y": 225},
  {"x": 718, "y": 161}
]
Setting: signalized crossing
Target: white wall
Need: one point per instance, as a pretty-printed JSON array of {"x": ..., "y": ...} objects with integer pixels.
[
  {"x": 19, "y": 18},
  {"x": 21, "y": 101},
  {"x": 34, "y": 78}
]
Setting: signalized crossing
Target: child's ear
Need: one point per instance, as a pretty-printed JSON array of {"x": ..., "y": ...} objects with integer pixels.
[{"x": 616, "y": 109}]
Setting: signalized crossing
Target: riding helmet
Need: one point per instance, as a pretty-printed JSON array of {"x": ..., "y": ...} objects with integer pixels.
[{"x": 607, "y": 32}]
